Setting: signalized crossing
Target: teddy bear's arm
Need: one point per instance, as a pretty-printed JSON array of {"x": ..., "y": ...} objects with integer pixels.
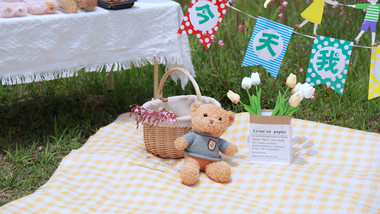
[
  {"x": 227, "y": 148},
  {"x": 183, "y": 142},
  {"x": 231, "y": 150},
  {"x": 180, "y": 143}
]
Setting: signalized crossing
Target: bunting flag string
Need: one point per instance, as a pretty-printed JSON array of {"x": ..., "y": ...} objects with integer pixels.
[
  {"x": 295, "y": 32},
  {"x": 329, "y": 57}
]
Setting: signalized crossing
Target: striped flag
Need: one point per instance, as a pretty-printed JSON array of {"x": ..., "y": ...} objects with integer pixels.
[{"x": 267, "y": 45}]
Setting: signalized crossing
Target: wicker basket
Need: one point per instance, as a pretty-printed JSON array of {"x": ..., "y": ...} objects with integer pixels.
[{"x": 159, "y": 139}]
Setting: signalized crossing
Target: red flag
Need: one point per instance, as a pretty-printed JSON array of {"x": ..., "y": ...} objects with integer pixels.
[{"x": 203, "y": 19}]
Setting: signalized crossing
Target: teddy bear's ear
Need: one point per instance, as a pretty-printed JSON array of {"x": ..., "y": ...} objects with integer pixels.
[
  {"x": 231, "y": 117},
  {"x": 195, "y": 105}
]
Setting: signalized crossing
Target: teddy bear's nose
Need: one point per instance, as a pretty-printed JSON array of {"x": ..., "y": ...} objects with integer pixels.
[{"x": 211, "y": 121}]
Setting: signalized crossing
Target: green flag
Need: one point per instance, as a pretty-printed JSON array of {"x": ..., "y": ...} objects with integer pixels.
[{"x": 329, "y": 61}]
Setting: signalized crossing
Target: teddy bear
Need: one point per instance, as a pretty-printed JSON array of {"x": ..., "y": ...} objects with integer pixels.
[{"x": 202, "y": 145}]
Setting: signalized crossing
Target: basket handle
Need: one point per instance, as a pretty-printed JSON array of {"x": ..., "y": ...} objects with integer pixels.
[{"x": 191, "y": 78}]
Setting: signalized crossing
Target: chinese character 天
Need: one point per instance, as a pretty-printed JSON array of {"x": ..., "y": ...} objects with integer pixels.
[{"x": 266, "y": 42}]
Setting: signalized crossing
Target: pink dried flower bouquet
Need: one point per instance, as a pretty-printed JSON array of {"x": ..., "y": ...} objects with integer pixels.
[{"x": 144, "y": 115}]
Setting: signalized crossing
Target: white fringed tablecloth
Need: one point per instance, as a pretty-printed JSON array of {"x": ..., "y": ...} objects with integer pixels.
[{"x": 46, "y": 47}]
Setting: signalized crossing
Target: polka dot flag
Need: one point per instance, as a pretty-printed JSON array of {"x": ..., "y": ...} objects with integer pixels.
[
  {"x": 374, "y": 75},
  {"x": 329, "y": 61},
  {"x": 203, "y": 19}
]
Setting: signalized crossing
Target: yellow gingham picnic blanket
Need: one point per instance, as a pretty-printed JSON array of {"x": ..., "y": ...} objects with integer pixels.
[{"x": 334, "y": 170}]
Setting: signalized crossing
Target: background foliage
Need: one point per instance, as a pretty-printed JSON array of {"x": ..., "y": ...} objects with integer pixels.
[{"x": 42, "y": 122}]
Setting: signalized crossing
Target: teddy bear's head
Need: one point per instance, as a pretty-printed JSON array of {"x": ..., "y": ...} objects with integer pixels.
[{"x": 210, "y": 119}]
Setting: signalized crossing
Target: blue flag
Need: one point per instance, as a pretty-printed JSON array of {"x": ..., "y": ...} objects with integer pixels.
[{"x": 267, "y": 45}]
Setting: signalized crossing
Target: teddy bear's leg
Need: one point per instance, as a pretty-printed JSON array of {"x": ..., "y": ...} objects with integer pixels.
[
  {"x": 189, "y": 172},
  {"x": 219, "y": 171}
]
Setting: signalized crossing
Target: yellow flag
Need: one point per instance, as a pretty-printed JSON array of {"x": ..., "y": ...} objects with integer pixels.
[{"x": 374, "y": 75}]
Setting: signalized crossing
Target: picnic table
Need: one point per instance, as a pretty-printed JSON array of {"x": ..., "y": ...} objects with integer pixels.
[
  {"x": 334, "y": 170},
  {"x": 46, "y": 47}
]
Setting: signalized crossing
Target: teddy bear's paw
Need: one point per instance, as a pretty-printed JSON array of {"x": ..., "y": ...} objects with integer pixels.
[
  {"x": 189, "y": 175},
  {"x": 231, "y": 150},
  {"x": 219, "y": 172},
  {"x": 180, "y": 143}
]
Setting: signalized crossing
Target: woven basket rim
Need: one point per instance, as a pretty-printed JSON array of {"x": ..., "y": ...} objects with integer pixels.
[{"x": 182, "y": 120}]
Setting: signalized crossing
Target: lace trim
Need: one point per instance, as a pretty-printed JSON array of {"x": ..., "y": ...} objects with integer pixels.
[{"x": 174, "y": 125}]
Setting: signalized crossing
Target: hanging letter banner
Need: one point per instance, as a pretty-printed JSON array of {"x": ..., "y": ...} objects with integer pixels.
[
  {"x": 203, "y": 19},
  {"x": 267, "y": 45},
  {"x": 329, "y": 61},
  {"x": 374, "y": 75}
]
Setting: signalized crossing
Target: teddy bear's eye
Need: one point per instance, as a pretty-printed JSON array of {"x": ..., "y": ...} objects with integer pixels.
[
  {"x": 220, "y": 118},
  {"x": 205, "y": 115}
]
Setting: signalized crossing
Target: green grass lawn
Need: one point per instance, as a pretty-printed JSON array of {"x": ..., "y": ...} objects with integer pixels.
[{"x": 42, "y": 122}]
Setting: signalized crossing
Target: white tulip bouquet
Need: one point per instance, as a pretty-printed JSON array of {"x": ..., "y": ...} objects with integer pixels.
[{"x": 285, "y": 106}]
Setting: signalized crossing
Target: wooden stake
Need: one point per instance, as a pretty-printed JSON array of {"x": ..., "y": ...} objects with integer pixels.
[{"x": 155, "y": 79}]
